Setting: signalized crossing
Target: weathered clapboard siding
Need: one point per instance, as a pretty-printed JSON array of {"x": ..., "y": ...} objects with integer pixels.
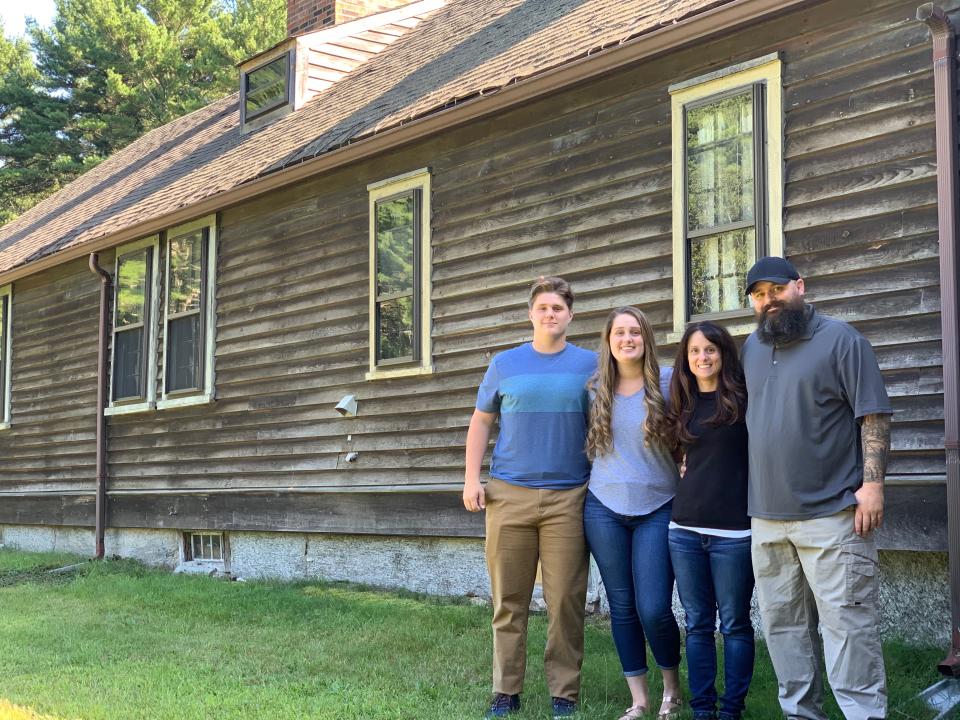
[
  {"x": 860, "y": 209},
  {"x": 50, "y": 445},
  {"x": 577, "y": 184}
]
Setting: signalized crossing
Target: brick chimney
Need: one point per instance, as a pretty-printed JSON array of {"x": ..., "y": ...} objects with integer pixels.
[{"x": 305, "y": 16}]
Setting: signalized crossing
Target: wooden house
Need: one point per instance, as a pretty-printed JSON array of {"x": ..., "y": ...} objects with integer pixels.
[{"x": 363, "y": 219}]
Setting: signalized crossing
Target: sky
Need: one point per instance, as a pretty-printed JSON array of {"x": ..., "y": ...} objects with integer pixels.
[{"x": 14, "y": 13}]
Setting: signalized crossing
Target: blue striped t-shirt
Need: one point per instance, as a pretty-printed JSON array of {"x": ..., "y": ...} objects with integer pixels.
[{"x": 543, "y": 405}]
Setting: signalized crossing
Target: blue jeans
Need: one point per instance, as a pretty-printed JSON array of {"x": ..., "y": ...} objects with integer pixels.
[
  {"x": 714, "y": 574},
  {"x": 634, "y": 562}
]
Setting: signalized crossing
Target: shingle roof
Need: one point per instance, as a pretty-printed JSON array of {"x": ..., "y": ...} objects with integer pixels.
[{"x": 467, "y": 48}]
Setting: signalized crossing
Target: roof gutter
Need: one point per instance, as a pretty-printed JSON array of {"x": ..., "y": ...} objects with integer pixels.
[
  {"x": 944, "y": 88},
  {"x": 704, "y": 25}
]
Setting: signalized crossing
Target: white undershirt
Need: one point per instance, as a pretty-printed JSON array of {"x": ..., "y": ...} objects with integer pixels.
[{"x": 716, "y": 532}]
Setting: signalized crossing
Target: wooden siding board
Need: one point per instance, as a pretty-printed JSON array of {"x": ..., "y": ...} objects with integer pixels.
[
  {"x": 891, "y": 28},
  {"x": 842, "y": 82},
  {"x": 911, "y": 143},
  {"x": 864, "y": 178},
  {"x": 823, "y": 138},
  {"x": 862, "y": 205}
]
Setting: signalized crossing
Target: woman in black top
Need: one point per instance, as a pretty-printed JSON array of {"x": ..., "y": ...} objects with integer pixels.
[{"x": 710, "y": 532}]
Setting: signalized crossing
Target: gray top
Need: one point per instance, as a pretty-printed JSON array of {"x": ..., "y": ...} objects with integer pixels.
[
  {"x": 804, "y": 402},
  {"x": 634, "y": 479}
]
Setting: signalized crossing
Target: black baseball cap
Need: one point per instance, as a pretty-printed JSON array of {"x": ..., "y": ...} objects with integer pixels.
[{"x": 772, "y": 269}]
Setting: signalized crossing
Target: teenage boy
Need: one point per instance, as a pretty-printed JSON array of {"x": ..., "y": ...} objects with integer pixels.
[{"x": 534, "y": 497}]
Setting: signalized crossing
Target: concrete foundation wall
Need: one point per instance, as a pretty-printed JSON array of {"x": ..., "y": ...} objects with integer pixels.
[{"x": 914, "y": 590}]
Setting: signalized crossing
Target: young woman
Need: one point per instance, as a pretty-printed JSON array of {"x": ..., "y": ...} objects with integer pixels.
[
  {"x": 710, "y": 530},
  {"x": 627, "y": 509}
]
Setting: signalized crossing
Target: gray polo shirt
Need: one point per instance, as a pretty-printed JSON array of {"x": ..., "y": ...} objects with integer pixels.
[{"x": 804, "y": 402}]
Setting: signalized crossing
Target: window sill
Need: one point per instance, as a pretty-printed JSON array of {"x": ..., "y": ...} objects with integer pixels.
[
  {"x": 189, "y": 401},
  {"x": 130, "y": 409},
  {"x": 201, "y": 567},
  {"x": 738, "y": 322},
  {"x": 4, "y": 426},
  {"x": 387, "y": 373}
]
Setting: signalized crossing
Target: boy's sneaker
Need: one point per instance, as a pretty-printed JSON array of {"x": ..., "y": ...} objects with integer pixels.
[
  {"x": 563, "y": 708},
  {"x": 503, "y": 705}
]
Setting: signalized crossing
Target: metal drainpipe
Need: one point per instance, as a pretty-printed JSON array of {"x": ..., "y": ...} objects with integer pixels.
[
  {"x": 945, "y": 90},
  {"x": 101, "y": 507}
]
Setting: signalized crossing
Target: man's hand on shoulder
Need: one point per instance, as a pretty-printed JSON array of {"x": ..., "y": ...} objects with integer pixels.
[
  {"x": 474, "y": 497},
  {"x": 869, "y": 513}
]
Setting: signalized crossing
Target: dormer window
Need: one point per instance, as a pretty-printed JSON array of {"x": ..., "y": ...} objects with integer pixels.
[
  {"x": 267, "y": 90},
  {"x": 266, "y": 87},
  {"x": 326, "y": 41}
]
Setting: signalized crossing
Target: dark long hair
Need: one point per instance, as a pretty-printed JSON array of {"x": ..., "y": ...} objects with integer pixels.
[{"x": 731, "y": 387}]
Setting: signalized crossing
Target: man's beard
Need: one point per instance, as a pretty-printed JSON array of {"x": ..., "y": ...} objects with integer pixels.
[{"x": 784, "y": 326}]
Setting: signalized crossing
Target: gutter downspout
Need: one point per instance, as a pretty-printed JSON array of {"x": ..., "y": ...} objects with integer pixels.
[
  {"x": 101, "y": 507},
  {"x": 945, "y": 92}
]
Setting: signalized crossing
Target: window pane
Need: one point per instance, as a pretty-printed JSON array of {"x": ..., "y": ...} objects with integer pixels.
[
  {"x": 128, "y": 363},
  {"x": 183, "y": 353},
  {"x": 197, "y": 543},
  {"x": 718, "y": 269},
  {"x": 267, "y": 86},
  {"x": 720, "y": 162},
  {"x": 186, "y": 273},
  {"x": 132, "y": 274},
  {"x": 395, "y": 245},
  {"x": 215, "y": 553},
  {"x": 395, "y": 328}
]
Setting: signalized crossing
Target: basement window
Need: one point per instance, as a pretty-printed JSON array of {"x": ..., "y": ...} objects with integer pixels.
[
  {"x": 203, "y": 547},
  {"x": 204, "y": 552}
]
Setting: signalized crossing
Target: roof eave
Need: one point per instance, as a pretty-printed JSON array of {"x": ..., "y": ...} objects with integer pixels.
[{"x": 657, "y": 42}]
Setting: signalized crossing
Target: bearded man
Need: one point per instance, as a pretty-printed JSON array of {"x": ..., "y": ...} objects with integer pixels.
[{"x": 819, "y": 422}]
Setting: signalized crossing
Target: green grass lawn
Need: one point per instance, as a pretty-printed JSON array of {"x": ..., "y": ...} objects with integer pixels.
[{"x": 115, "y": 640}]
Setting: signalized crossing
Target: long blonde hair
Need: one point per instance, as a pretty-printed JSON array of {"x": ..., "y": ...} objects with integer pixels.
[{"x": 603, "y": 385}]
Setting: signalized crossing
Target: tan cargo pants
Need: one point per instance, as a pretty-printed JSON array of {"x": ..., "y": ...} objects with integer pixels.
[
  {"x": 524, "y": 525},
  {"x": 821, "y": 569}
]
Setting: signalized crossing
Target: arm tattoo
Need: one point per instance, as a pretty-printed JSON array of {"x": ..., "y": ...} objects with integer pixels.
[{"x": 875, "y": 438}]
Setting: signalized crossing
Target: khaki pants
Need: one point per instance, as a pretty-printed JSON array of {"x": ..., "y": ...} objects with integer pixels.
[
  {"x": 810, "y": 570},
  {"x": 524, "y": 525}
]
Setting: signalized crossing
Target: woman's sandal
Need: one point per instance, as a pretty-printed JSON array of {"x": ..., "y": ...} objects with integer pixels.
[
  {"x": 669, "y": 708},
  {"x": 634, "y": 712}
]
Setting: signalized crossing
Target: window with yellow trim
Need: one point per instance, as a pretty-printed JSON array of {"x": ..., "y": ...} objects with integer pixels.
[
  {"x": 727, "y": 185},
  {"x": 189, "y": 314},
  {"x": 134, "y": 306},
  {"x": 400, "y": 312}
]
